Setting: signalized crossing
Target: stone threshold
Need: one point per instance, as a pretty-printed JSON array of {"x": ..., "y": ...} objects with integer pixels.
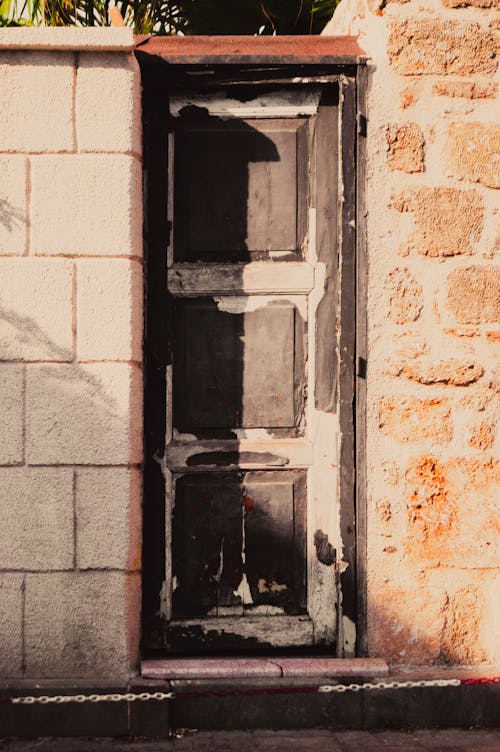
[{"x": 169, "y": 669}]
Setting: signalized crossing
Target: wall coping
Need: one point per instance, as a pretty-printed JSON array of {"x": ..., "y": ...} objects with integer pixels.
[
  {"x": 207, "y": 49},
  {"x": 103, "y": 38},
  {"x": 246, "y": 50}
]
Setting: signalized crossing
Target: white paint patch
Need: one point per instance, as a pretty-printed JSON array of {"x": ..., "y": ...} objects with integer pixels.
[
  {"x": 243, "y": 591},
  {"x": 296, "y": 102},
  {"x": 322, "y": 478},
  {"x": 343, "y": 565},
  {"x": 183, "y": 438},
  {"x": 241, "y": 304},
  {"x": 264, "y": 611},
  {"x": 218, "y": 575},
  {"x": 269, "y": 587},
  {"x": 166, "y": 608},
  {"x": 311, "y": 245},
  {"x": 168, "y": 395},
  {"x": 257, "y": 278},
  {"x": 250, "y": 303},
  {"x": 349, "y": 637},
  {"x": 165, "y": 600},
  {"x": 277, "y": 255}
]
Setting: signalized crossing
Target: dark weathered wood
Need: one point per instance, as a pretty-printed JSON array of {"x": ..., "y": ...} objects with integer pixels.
[
  {"x": 240, "y": 635},
  {"x": 206, "y": 543},
  {"x": 361, "y": 359},
  {"x": 326, "y": 174},
  {"x": 230, "y": 361},
  {"x": 300, "y": 539},
  {"x": 303, "y": 177},
  {"x": 208, "y": 366},
  {"x": 268, "y": 373},
  {"x": 236, "y": 187},
  {"x": 275, "y": 552},
  {"x": 156, "y": 357},
  {"x": 238, "y": 540},
  {"x": 163, "y": 78},
  {"x": 214, "y": 454},
  {"x": 258, "y": 278},
  {"x": 300, "y": 379},
  {"x": 272, "y": 190},
  {"x": 233, "y": 369},
  {"x": 347, "y": 356}
]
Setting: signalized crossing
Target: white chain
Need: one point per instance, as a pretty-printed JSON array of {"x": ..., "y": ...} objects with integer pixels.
[
  {"x": 60, "y": 699},
  {"x": 145, "y": 696},
  {"x": 390, "y": 685}
]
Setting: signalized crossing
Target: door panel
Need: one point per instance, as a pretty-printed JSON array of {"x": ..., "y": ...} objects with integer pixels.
[
  {"x": 206, "y": 543},
  {"x": 239, "y": 188},
  {"x": 275, "y": 526},
  {"x": 235, "y": 370},
  {"x": 250, "y": 462},
  {"x": 238, "y": 544}
]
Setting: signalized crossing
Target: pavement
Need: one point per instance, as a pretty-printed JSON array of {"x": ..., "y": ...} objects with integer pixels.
[{"x": 446, "y": 740}]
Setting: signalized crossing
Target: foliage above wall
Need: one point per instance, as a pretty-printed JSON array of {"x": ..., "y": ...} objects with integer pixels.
[{"x": 177, "y": 16}]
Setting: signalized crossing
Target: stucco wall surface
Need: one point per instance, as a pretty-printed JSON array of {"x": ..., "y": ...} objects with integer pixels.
[
  {"x": 433, "y": 236},
  {"x": 70, "y": 353}
]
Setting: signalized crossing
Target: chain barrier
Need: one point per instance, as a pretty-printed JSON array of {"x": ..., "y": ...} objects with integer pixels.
[
  {"x": 390, "y": 685},
  {"x": 114, "y": 697},
  {"x": 324, "y": 688}
]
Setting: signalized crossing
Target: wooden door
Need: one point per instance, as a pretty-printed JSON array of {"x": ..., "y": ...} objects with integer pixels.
[{"x": 252, "y": 531}]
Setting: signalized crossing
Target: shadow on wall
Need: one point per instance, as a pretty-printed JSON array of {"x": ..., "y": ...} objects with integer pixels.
[
  {"x": 450, "y": 633},
  {"x": 10, "y": 216},
  {"x": 70, "y": 575},
  {"x": 75, "y": 413},
  {"x": 433, "y": 574},
  {"x": 79, "y": 415}
]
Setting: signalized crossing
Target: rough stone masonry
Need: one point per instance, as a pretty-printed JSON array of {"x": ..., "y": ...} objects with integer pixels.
[
  {"x": 71, "y": 327},
  {"x": 433, "y": 237}
]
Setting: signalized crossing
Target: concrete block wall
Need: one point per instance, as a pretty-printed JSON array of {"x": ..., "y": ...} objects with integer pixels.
[
  {"x": 71, "y": 330},
  {"x": 70, "y": 353},
  {"x": 433, "y": 390}
]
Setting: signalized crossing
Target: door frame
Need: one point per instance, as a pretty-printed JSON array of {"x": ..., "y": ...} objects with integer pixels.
[{"x": 158, "y": 76}]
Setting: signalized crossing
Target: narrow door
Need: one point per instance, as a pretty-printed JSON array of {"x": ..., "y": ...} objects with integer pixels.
[{"x": 252, "y": 434}]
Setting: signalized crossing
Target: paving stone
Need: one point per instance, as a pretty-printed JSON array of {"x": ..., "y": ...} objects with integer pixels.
[
  {"x": 277, "y": 741},
  {"x": 207, "y": 668},
  {"x": 329, "y": 667}
]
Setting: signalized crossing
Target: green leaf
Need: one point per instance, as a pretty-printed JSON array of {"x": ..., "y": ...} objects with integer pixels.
[{"x": 174, "y": 16}]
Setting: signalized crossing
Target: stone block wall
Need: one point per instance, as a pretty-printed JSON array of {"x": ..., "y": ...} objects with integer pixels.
[
  {"x": 71, "y": 331},
  {"x": 433, "y": 237},
  {"x": 70, "y": 353}
]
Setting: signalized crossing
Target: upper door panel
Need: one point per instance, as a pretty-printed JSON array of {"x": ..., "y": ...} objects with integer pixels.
[{"x": 240, "y": 188}]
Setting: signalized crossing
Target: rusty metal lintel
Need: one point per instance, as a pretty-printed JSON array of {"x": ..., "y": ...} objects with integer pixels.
[{"x": 249, "y": 50}]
